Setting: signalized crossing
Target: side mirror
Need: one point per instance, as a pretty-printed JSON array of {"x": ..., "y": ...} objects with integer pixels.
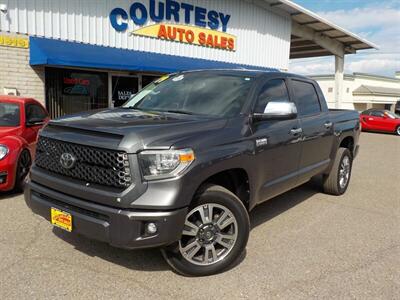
[
  {"x": 35, "y": 122},
  {"x": 277, "y": 111}
]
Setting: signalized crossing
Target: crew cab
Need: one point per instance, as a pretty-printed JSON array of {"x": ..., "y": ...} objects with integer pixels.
[
  {"x": 184, "y": 161},
  {"x": 20, "y": 121}
]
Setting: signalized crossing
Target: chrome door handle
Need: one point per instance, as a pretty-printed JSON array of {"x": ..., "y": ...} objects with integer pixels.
[
  {"x": 296, "y": 131},
  {"x": 328, "y": 125}
]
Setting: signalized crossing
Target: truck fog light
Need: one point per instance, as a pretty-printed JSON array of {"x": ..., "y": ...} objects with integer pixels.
[{"x": 151, "y": 228}]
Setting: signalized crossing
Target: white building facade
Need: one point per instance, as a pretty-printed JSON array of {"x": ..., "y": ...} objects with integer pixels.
[
  {"x": 79, "y": 55},
  {"x": 362, "y": 91}
]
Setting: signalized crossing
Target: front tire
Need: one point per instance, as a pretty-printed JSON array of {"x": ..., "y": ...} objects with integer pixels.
[
  {"x": 337, "y": 182},
  {"x": 23, "y": 167},
  {"x": 215, "y": 234}
]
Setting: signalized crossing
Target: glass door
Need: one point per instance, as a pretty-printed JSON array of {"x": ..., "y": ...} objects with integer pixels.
[{"x": 123, "y": 87}]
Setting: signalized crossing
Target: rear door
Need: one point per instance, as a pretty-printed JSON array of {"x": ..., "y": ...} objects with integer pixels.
[
  {"x": 317, "y": 129},
  {"x": 277, "y": 144}
]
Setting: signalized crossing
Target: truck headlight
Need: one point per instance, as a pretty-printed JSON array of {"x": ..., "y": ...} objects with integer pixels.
[
  {"x": 162, "y": 164},
  {"x": 3, "y": 151}
]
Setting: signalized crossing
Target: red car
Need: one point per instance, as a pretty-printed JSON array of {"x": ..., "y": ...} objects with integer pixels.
[
  {"x": 380, "y": 120},
  {"x": 20, "y": 121}
]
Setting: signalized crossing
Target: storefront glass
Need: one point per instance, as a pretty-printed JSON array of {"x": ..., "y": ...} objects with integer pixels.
[
  {"x": 123, "y": 87},
  {"x": 71, "y": 91}
]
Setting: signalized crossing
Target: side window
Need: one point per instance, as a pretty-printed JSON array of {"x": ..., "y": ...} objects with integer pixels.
[
  {"x": 307, "y": 98},
  {"x": 34, "y": 111},
  {"x": 377, "y": 114},
  {"x": 273, "y": 91}
]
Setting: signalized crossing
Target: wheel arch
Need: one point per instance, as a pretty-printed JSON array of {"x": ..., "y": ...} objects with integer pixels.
[{"x": 236, "y": 180}]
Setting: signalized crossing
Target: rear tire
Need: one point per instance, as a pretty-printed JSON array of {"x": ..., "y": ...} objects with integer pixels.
[
  {"x": 337, "y": 182},
  {"x": 23, "y": 168},
  {"x": 215, "y": 234},
  {"x": 398, "y": 130}
]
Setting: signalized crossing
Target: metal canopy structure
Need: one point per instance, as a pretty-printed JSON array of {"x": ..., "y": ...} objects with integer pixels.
[{"x": 314, "y": 36}]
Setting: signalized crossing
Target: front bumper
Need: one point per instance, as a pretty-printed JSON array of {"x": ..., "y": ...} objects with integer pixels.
[
  {"x": 120, "y": 228},
  {"x": 7, "y": 176}
]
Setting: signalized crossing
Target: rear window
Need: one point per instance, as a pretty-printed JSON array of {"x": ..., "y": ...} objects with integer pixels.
[
  {"x": 307, "y": 98},
  {"x": 9, "y": 114}
]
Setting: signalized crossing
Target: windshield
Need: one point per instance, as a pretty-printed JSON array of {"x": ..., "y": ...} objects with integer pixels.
[
  {"x": 391, "y": 115},
  {"x": 195, "y": 93},
  {"x": 9, "y": 114}
]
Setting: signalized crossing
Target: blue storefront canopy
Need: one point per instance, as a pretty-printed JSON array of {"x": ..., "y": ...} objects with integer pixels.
[{"x": 61, "y": 53}]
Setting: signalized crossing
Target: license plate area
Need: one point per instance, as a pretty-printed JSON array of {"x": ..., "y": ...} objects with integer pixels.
[{"x": 61, "y": 219}]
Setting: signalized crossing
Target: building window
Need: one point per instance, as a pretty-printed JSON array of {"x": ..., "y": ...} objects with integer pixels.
[
  {"x": 330, "y": 90},
  {"x": 72, "y": 91}
]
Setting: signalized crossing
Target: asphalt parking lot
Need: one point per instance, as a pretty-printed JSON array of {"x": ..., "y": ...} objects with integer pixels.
[{"x": 303, "y": 244}]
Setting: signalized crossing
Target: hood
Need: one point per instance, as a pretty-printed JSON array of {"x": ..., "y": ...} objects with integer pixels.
[{"x": 130, "y": 130}]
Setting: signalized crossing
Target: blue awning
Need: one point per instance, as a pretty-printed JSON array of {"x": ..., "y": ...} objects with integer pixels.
[{"x": 61, "y": 53}]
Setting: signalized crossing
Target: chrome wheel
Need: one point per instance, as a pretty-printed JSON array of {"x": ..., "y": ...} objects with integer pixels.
[
  {"x": 344, "y": 172},
  {"x": 209, "y": 234},
  {"x": 398, "y": 130}
]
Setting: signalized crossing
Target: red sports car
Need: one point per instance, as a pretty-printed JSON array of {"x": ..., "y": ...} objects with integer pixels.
[
  {"x": 20, "y": 121},
  {"x": 380, "y": 120}
]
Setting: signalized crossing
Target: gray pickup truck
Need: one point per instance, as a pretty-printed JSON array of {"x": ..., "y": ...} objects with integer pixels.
[{"x": 183, "y": 162}]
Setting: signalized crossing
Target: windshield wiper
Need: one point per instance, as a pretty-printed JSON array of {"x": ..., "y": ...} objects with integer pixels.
[{"x": 183, "y": 112}]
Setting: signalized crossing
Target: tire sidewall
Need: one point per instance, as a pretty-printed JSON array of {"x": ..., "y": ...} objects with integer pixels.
[
  {"x": 345, "y": 153},
  {"x": 230, "y": 201},
  {"x": 397, "y": 132},
  {"x": 19, "y": 183}
]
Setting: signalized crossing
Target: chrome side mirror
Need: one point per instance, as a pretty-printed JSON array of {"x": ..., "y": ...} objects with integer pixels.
[{"x": 278, "y": 111}]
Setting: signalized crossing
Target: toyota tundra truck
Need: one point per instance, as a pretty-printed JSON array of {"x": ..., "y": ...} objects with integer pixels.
[{"x": 182, "y": 163}]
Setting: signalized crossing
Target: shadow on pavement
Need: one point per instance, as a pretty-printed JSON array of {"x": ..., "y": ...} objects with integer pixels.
[
  {"x": 8, "y": 195},
  {"x": 152, "y": 260},
  {"x": 274, "y": 207},
  {"x": 142, "y": 260}
]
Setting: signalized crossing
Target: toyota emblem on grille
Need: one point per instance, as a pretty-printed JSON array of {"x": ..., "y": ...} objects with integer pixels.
[{"x": 67, "y": 160}]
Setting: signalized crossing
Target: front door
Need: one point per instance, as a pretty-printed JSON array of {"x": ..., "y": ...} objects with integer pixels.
[
  {"x": 277, "y": 144},
  {"x": 123, "y": 87}
]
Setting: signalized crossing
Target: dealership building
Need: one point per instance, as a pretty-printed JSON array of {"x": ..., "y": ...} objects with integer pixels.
[
  {"x": 79, "y": 55},
  {"x": 362, "y": 91}
]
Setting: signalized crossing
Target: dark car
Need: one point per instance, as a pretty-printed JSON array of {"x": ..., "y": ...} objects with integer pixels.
[{"x": 182, "y": 163}]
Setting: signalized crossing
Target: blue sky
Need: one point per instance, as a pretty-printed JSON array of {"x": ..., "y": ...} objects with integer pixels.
[{"x": 377, "y": 21}]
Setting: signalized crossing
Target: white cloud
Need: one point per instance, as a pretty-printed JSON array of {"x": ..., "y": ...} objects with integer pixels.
[
  {"x": 366, "y": 17},
  {"x": 380, "y": 25}
]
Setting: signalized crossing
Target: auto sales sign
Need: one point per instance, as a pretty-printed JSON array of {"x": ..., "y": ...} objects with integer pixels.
[{"x": 174, "y": 22}]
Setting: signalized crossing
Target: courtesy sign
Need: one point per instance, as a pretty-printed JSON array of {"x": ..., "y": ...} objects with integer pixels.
[{"x": 176, "y": 21}]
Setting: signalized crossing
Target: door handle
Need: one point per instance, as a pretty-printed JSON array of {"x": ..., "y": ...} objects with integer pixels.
[
  {"x": 296, "y": 131},
  {"x": 328, "y": 125}
]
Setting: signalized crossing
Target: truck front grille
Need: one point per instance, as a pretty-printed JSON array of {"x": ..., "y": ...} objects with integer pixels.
[{"x": 91, "y": 165}]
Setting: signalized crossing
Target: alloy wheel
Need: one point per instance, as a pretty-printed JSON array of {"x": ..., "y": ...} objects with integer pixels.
[
  {"x": 344, "y": 172},
  {"x": 209, "y": 234}
]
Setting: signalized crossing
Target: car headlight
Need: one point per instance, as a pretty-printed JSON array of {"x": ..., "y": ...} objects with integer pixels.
[
  {"x": 162, "y": 164},
  {"x": 3, "y": 151}
]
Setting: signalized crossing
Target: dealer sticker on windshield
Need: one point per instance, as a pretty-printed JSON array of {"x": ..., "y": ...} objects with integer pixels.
[{"x": 61, "y": 219}]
